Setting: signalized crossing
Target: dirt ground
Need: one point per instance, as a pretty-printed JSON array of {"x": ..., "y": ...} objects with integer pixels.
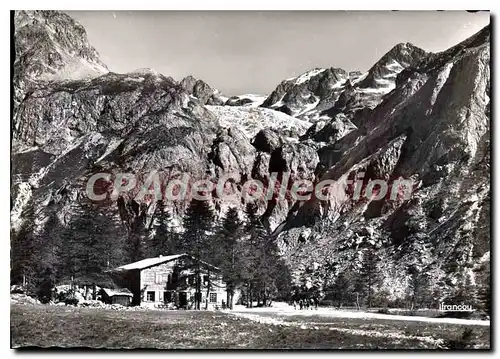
[{"x": 58, "y": 326}]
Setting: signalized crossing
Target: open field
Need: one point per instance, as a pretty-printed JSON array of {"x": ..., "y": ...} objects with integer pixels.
[{"x": 49, "y": 326}]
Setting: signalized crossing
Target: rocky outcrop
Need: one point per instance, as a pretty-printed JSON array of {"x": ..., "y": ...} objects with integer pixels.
[
  {"x": 314, "y": 90},
  {"x": 267, "y": 141},
  {"x": 250, "y": 100},
  {"x": 384, "y": 72},
  {"x": 331, "y": 131},
  {"x": 202, "y": 91},
  {"x": 365, "y": 92},
  {"x": 232, "y": 153},
  {"x": 115, "y": 123}
]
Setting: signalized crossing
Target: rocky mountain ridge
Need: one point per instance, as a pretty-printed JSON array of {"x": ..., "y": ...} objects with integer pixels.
[
  {"x": 45, "y": 51},
  {"x": 433, "y": 128}
]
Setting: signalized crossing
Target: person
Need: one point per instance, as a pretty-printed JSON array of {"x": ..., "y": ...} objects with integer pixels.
[
  {"x": 301, "y": 304},
  {"x": 311, "y": 302},
  {"x": 223, "y": 304},
  {"x": 294, "y": 304}
]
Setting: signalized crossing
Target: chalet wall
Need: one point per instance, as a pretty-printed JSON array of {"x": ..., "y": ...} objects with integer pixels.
[
  {"x": 149, "y": 283},
  {"x": 156, "y": 279}
]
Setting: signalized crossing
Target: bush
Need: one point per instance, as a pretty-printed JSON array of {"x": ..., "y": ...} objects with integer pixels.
[
  {"x": 327, "y": 303},
  {"x": 397, "y": 303},
  {"x": 464, "y": 342},
  {"x": 381, "y": 299},
  {"x": 460, "y": 315},
  {"x": 383, "y": 311},
  {"x": 17, "y": 289},
  {"x": 411, "y": 313},
  {"x": 71, "y": 301}
]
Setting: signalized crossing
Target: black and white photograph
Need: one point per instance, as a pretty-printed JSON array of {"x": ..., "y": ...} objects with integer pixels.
[{"x": 250, "y": 180}]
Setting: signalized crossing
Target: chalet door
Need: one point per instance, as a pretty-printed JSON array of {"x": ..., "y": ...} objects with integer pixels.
[{"x": 183, "y": 300}]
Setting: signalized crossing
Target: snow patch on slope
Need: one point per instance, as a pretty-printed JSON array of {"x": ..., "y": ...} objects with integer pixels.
[
  {"x": 22, "y": 198},
  {"x": 308, "y": 107},
  {"x": 306, "y": 76},
  {"x": 360, "y": 78},
  {"x": 113, "y": 144},
  {"x": 395, "y": 66},
  {"x": 441, "y": 79}
]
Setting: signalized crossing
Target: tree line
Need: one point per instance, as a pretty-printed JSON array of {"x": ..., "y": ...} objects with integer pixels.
[
  {"x": 362, "y": 286},
  {"x": 99, "y": 238}
]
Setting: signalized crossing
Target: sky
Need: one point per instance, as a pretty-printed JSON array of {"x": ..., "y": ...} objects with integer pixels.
[{"x": 253, "y": 51}]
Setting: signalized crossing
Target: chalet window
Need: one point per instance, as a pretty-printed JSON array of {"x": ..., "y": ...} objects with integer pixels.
[
  {"x": 150, "y": 296},
  {"x": 213, "y": 297},
  {"x": 169, "y": 279},
  {"x": 158, "y": 278},
  {"x": 205, "y": 279},
  {"x": 167, "y": 297}
]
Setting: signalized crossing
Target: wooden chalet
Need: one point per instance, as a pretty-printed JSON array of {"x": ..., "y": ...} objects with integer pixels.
[{"x": 171, "y": 281}]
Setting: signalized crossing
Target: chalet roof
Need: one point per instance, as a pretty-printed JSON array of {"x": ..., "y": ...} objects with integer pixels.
[
  {"x": 150, "y": 262},
  {"x": 113, "y": 292}
]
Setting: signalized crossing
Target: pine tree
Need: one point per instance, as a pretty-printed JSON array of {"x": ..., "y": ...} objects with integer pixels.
[
  {"x": 464, "y": 292},
  {"x": 133, "y": 216},
  {"x": 484, "y": 293},
  {"x": 46, "y": 259},
  {"x": 135, "y": 247},
  {"x": 91, "y": 244},
  {"x": 268, "y": 268},
  {"x": 369, "y": 275},
  {"x": 340, "y": 290},
  {"x": 165, "y": 240},
  {"x": 251, "y": 251},
  {"x": 228, "y": 255},
  {"x": 196, "y": 239},
  {"x": 262, "y": 261},
  {"x": 283, "y": 280},
  {"x": 418, "y": 286},
  {"x": 23, "y": 249}
]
